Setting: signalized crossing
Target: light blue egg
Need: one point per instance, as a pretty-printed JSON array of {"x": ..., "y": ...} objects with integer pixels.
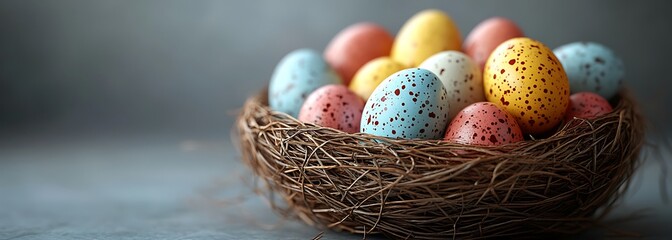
[
  {"x": 409, "y": 104},
  {"x": 591, "y": 67},
  {"x": 297, "y": 75}
]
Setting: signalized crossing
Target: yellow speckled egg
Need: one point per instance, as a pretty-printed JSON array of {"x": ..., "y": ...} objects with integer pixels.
[
  {"x": 369, "y": 76},
  {"x": 524, "y": 77},
  {"x": 426, "y": 33}
]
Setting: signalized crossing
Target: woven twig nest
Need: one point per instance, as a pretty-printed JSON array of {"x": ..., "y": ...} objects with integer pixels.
[{"x": 420, "y": 189}]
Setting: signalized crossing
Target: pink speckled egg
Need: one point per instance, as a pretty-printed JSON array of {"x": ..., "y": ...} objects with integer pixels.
[
  {"x": 485, "y": 124},
  {"x": 587, "y": 105},
  {"x": 333, "y": 106}
]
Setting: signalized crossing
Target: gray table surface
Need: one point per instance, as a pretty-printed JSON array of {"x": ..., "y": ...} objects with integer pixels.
[{"x": 163, "y": 187}]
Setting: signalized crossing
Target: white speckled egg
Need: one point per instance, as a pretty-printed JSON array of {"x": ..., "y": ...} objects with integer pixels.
[
  {"x": 460, "y": 76},
  {"x": 591, "y": 67},
  {"x": 296, "y": 76},
  {"x": 408, "y": 104}
]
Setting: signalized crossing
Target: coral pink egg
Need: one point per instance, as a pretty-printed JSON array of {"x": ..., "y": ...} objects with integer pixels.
[
  {"x": 487, "y": 35},
  {"x": 356, "y": 45},
  {"x": 587, "y": 105},
  {"x": 333, "y": 106},
  {"x": 485, "y": 124}
]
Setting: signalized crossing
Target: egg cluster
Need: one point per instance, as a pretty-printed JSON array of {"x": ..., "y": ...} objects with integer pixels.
[{"x": 496, "y": 87}]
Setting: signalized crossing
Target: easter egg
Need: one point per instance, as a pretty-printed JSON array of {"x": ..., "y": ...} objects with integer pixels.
[
  {"x": 333, "y": 106},
  {"x": 524, "y": 77},
  {"x": 483, "y": 123},
  {"x": 297, "y": 75},
  {"x": 591, "y": 67},
  {"x": 587, "y": 105},
  {"x": 460, "y": 76},
  {"x": 372, "y": 74},
  {"x": 409, "y": 104},
  {"x": 423, "y": 35},
  {"x": 356, "y": 45},
  {"x": 487, "y": 35}
]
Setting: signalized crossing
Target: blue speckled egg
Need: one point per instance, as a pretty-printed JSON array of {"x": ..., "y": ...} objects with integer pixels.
[
  {"x": 296, "y": 76},
  {"x": 591, "y": 67},
  {"x": 411, "y": 103}
]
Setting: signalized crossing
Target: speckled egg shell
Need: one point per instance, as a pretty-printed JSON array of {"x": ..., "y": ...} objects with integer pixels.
[
  {"x": 591, "y": 67},
  {"x": 426, "y": 33},
  {"x": 297, "y": 75},
  {"x": 524, "y": 77},
  {"x": 356, "y": 45},
  {"x": 461, "y": 77},
  {"x": 587, "y": 105},
  {"x": 410, "y": 104},
  {"x": 372, "y": 74},
  {"x": 487, "y": 35},
  {"x": 333, "y": 106},
  {"x": 483, "y": 123}
]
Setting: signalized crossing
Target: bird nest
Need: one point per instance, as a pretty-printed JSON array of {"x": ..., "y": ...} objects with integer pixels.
[{"x": 419, "y": 189}]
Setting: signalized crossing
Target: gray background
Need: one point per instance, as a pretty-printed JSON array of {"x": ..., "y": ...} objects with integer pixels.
[
  {"x": 115, "y": 115},
  {"x": 156, "y": 65}
]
